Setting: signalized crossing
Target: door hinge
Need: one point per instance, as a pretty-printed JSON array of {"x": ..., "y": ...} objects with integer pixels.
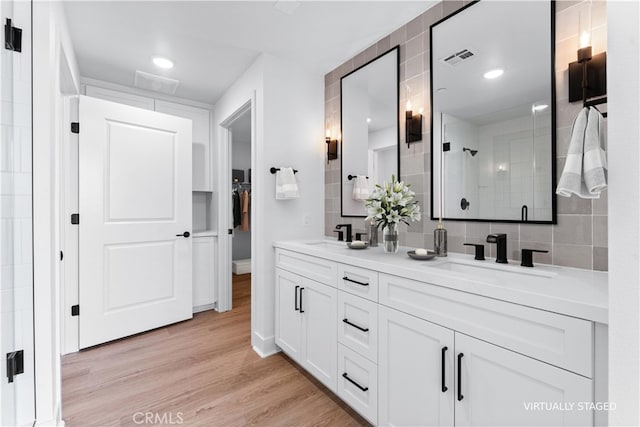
[
  {"x": 230, "y": 231},
  {"x": 12, "y": 37},
  {"x": 15, "y": 364},
  {"x": 75, "y": 127},
  {"x": 75, "y": 310},
  {"x": 446, "y": 146},
  {"x": 61, "y": 255},
  {"x": 75, "y": 219}
]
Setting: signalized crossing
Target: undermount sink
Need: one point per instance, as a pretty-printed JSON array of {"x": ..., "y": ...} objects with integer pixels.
[
  {"x": 492, "y": 269},
  {"x": 331, "y": 243}
]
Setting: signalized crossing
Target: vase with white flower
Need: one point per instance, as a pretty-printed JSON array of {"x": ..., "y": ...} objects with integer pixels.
[{"x": 390, "y": 204}]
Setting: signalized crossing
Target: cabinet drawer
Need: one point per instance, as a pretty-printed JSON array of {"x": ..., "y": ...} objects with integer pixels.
[
  {"x": 358, "y": 281},
  {"x": 317, "y": 269},
  {"x": 560, "y": 340},
  {"x": 358, "y": 383},
  {"x": 358, "y": 324}
]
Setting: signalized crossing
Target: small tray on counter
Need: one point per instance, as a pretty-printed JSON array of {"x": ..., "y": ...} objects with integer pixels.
[{"x": 430, "y": 255}]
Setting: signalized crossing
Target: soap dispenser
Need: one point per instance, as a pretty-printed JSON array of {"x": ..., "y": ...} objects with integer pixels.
[
  {"x": 440, "y": 240},
  {"x": 373, "y": 233}
]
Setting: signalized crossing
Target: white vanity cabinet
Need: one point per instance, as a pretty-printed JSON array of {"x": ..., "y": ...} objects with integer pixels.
[
  {"x": 415, "y": 370},
  {"x": 305, "y": 326},
  {"x": 413, "y": 352}
]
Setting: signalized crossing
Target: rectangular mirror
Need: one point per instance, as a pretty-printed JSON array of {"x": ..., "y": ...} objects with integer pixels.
[
  {"x": 369, "y": 119},
  {"x": 493, "y": 113}
]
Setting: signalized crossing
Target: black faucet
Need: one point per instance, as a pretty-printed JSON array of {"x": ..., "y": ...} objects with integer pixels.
[
  {"x": 500, "y": 239},
  {"x": 348, "y": 227}
]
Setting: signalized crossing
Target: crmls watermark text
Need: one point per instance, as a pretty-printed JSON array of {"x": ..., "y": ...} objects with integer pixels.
[
  {"x": 569, "y": 406},
  {"x": 158, "y": 418}
]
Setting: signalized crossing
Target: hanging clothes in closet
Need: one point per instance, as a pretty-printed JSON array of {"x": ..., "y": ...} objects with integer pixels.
[
  {"x": 245, "y": 221},
  {"x": 237, "y": 208}
]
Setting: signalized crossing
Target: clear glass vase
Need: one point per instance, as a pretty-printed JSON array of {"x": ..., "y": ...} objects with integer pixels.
[{"x": 390, "y": 239}]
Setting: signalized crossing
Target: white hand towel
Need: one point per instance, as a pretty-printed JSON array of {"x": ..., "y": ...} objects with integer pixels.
[
  {"x": 361, "y": 188},
  {"x": 594, "y": 164},
  {"x": 572, "y": 180},
  {"x": 286, "y": 185}
]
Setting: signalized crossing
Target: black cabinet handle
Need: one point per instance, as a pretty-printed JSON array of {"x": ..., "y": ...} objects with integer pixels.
[
  {"x": 346, "y": 377},
  {"x": 444, "y": 353},
  {"x": 301, "y": 310},
  {"x": 185, "y": 234},
  {"x": 296, "y": 298},
  {"x": 354, "y": 281},
  {"x": 355, "y": 326},
  {"x": 460, "y": 396}
]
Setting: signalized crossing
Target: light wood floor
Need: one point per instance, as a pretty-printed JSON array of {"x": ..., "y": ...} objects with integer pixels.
[{"x": 199, "y": 372}]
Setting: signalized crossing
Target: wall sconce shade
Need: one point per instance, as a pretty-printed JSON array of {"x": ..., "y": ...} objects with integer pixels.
[
  {"x": 413, "y": 127},
  {"x": 332, "y": 148}
]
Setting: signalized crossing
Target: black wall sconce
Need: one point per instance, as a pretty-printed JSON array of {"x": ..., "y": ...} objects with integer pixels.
[
  {"x": 588, "y": 76},
  {"x": 332, "y": 147},
  {"x": 413, "y": 126}
]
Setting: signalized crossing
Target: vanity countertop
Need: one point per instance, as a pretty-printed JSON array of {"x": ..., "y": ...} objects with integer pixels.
[{"x": 569, "y": 291}]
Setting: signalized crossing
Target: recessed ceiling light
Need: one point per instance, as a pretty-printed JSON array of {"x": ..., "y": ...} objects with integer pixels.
[
  {"x": 493, "y": 73},
  {"x": 539, "y": 107},
  {"x": 368, "y": 119},
  {"x": 161, "y": 62}
]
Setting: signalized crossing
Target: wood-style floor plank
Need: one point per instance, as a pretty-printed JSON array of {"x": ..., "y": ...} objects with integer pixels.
[{"x": 201, "y": 372}]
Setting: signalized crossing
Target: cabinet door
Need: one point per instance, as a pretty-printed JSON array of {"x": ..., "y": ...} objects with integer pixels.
[
  {"x": 503, "y": 388},
  {"x": 411, "y": 371},
  {"x": 201, "y": 152},
  {"x": 288, "y": 317},
  {"x": 203, "y": 271},
  {"x": 319, "y": 307}
]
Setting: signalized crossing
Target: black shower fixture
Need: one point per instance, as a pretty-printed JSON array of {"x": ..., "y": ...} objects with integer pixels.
[{"x": 472, "y": 152}]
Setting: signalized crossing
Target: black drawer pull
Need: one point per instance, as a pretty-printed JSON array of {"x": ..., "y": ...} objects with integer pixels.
[
  {"x": 444, "y": 358},
  {"x": 345, "y": 376},
  {"x": 460, "y": 396},
  {"x": 355, "y": 281},
  {"x": 355, "y": 326},
  {"x": 296, "y": 298},
  {"x": 301, "y": 310}
]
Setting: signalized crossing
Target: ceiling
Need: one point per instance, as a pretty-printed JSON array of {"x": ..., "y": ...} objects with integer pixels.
[{"x": 213, "y": 42}]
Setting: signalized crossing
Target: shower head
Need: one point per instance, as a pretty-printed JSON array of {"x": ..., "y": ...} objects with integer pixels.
[{"x": 472, "y": 152}]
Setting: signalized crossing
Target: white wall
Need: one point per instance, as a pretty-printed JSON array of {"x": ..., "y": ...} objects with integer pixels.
[
  {"x": 51, "y": 42},
  {"x": 288, "y": 131},
  {"x": 623, "y": 88}
]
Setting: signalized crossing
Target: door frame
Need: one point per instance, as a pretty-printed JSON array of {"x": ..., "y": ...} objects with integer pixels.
[{"x": 225, "y": 222}]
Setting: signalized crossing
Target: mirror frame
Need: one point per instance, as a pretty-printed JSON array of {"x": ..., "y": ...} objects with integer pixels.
[
  {"x": 397, "y": 49},
  {"x": 552, "y": 71}
]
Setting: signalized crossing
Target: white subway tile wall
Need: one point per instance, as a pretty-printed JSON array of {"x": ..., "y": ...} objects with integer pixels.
[
  {"x": 580, "y": 237},
  {"x": 16, "y": 273}
]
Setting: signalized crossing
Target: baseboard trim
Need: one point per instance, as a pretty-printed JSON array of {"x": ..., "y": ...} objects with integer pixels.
[
  {"x": 265, "y": 347},
  {"x": 49, "y": 423},
  {"x": 205, "y": 307}
]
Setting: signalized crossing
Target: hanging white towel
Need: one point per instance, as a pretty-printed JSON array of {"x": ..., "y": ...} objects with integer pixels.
[
  {"x": 572, "y": 180},
  {"x": 594, "y": 164},
  {"x": 361, "y": 188},
  {"x": 286, "y": 185}
]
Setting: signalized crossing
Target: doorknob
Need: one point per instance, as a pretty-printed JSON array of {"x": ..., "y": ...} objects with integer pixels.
[{"x": 185, "y": 234}]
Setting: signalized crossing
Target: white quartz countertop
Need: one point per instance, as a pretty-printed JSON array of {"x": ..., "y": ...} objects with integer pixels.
[{"x": 569, "y": 291}]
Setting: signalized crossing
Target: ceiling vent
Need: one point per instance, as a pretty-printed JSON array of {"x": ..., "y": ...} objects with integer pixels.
[
  {"x": 156, "y": 83},
  {"x": 458, "y": 57}
]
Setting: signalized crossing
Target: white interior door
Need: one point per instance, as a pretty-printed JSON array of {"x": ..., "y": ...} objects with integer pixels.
[{"x": 135, "y": 205}]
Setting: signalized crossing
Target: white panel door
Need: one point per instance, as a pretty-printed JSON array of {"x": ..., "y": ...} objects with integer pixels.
[
  {"x": 415, "y": 371},
  {"x": 319, "y": 308},
  {"x": 135, "y": 205},
  {"x": 503, "y": 388}
]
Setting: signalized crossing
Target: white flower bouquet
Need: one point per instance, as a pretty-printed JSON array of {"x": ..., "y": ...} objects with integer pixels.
[{"x": 391, "y": 203}]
